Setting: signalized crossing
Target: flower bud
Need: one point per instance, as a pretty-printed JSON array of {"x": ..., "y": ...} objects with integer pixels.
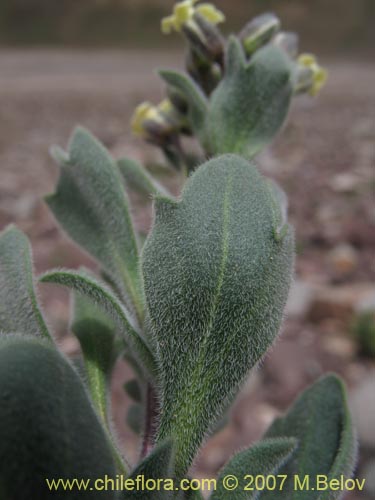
[
  {"x": 154, "y": 123},
  {"x": 288, "y": 42},
  {"x": 178, "y": 100},
  {"x": 310, "y": 76},
  {"x": 206, "y": 73},
  {"x": 183, "y": 14},
  {"x": 198, "y": 24},
  {"x": 205, "y": 39},
  {"x": 258, "y": 32}
]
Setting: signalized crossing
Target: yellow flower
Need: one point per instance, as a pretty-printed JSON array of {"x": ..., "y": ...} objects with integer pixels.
[
  {"x": 165, "y": 107},
  {"x": 144, "y": 112},
  {"x": 147, "y": 112},
  {"x": 183, "y": 13},
  {"x": 319, "y": 74}
]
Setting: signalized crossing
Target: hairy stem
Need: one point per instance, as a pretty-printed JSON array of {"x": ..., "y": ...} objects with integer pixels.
[{"x": 152, "y": 414}]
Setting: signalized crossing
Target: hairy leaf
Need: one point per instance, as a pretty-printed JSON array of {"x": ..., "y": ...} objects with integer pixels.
[
  {"x": 216, "y": 281},
  {"x": 250, "y": 104},
  {"x": 138, "y": 179},
  {"x": 103, "y": 297},
  {"x": 19, "y": 308},
  {"x": 48, "y": 428},
  {"x": 197, "y": 102},
  {"x": 264, "y": 459},
  {"x": 192, "y": 495},
  {"x": 96, "y": 335},
  {"x": 280, "y": 198},
  {"x": 321, "y": 423},
  {"x": 158, "y": 465},
  {"x": 91, "y": 205}
]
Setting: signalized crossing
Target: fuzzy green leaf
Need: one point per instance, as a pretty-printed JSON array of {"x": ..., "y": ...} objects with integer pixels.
[
  {"x": 91, "y": 205},
  {"x": 192, "y": 495},
  {"x": 259, "y": 31},
  {"x": 281, "y": 201},
  {"x": 19, "y": 308},
  {"x": 216, "y": 282},
  {"x": 157, "y": 465},
  {"x": 321, "y": 423},
  {"x": 280, "y": 197},
  {"x": 250, "y": 104},
  {"x": 96, "y": 335},
  {"x": 196, "y": 100},
  {"x": 264, "y": 459},
  {"x": 102, "y": 296},
  {"x": 48, "y": 428},
  {"x": 138, "y": 179}
]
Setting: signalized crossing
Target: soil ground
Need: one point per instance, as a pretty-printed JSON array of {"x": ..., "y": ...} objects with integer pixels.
[{"x": 324, "y": 159}]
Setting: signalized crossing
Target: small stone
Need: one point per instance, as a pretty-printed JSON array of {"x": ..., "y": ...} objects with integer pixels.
[
  {"x": 266, "y": 414},
  {"x": 339, "y": 302},
  {"x": 362, "y": 403},
  {"x": 343, "y": 259},
  {"x": 215, "y": 453},
  {"x": 20, "y": 208},
  {"x": 252, "y": 418},
  {"x": 355, "y": 372},
  {"x": 345, "y": 183},
  {"x": 339, "y": 346},
  {"x": 366, "y": 304}
]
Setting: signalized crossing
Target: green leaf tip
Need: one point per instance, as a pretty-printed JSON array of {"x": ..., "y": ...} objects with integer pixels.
[
  {"x": 19, "y": 308},
  {"x": 263, "y": 459},
  {"x": 321, "y": 422},
  {"x": 216, "y": 282},
  {"x": 138, "y": 179},
  {"x": 60, "y": 156},
  {"x": 235, "y": 55},
  {"x": 157, "y": 465},
  {"x": 280, "y": 200}
]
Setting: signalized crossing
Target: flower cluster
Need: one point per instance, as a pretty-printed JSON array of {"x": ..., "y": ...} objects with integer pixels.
[
  {"x": 184, "y": 13},
  {"x": 257, "y": 71},
  {"x": 312, "y": 76}
]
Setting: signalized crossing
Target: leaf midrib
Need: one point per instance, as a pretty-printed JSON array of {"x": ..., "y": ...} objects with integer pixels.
[{"x": 196, "y": 375}]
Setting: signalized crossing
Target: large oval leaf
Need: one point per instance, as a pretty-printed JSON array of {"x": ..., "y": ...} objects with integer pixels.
[
  {"x": 217, "y": 273},
  {"x": 48, "y": 428}
]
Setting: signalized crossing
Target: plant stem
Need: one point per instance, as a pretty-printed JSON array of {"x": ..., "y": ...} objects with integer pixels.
[{"x": 150, "y": 421}]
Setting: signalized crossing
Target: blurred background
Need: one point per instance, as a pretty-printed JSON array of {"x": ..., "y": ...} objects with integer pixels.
[
  {"x": 64, "y": 62},
  {"x": 333, "y": 25}
]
